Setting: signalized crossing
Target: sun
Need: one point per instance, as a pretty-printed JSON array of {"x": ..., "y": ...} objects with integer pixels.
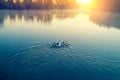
[{"x": 84, "y": 1}]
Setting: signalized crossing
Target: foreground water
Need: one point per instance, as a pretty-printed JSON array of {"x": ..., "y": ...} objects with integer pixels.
[{"x": 94, "y": 39}]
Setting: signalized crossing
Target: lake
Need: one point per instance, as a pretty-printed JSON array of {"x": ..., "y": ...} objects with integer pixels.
[{"x": 94, "y": 52}]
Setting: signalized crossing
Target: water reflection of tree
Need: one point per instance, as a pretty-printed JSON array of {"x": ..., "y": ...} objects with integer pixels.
[
  {"x": 106, "y": 19},
  {"x": 45, "y": 17},
  {"x": 1, "y": 20}
]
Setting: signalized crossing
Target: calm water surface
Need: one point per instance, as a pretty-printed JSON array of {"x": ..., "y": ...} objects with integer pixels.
[{"x": 94, "y": 36}]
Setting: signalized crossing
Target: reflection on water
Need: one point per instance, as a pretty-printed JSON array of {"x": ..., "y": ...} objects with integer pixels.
[
  {"x": 106, "y": 19},
  {"x": 45, "y": 17},
  {"x": 94, "y": 54}
]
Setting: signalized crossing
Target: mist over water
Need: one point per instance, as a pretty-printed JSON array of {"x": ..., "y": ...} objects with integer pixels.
[{"x": 94, "y": 37}]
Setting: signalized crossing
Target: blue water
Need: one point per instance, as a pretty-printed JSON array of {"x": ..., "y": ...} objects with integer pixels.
[{"x": 94, "y": 53}]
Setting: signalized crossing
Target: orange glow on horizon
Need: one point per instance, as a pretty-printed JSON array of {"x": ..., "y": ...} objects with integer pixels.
[
  {"x": 14, "y": 1},
  {"x": 84, "y": 1}
]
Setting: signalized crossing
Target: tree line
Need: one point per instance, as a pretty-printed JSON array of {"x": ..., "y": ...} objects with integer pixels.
[
  {"x": 38, "y": 4},
  {"x": 106, "y": 5}
]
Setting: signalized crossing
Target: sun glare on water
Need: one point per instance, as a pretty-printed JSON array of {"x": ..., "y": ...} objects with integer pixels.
[{"x": 84, "y": 1}]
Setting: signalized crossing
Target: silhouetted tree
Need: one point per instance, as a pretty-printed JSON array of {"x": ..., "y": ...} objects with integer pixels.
[
  {"x": 37, "y": 4},
  {"x": 106, "y": 5}
]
